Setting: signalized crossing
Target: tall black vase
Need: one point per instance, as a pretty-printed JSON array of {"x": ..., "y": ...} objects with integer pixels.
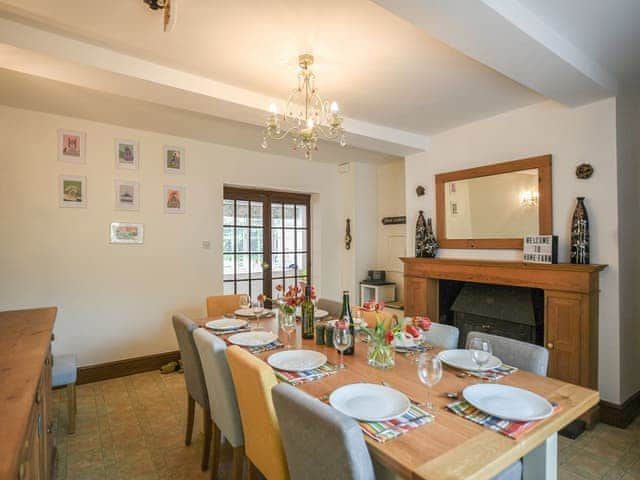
[
  {"x": 421, "y": 235},
  {"x": 580, "y": 234},
  {"x": 430, "y": 244}
]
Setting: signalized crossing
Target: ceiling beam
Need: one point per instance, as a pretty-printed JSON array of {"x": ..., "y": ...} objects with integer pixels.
[
  {"x": 509, "y": 38},
  {"x": 35, "y": 51}
]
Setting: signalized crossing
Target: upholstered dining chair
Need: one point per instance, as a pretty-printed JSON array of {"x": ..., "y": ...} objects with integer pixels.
[
  {"x": 222, "y": 400},
  {"x": 253, "y": 380},
  {"x": 194, "y": 380},
  {"x": 337, "y": 442},
  {"x": 442, "y": 336},
  {"x": 370, "y": 318},
  {"x": 334, "y": 308},
  {"x": 218, "y": 305},
  {"x": 523, "y": 355}
]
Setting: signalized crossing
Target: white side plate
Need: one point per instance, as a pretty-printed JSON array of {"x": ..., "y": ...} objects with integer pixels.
[
  {"x": 369, "y": 402},
  {"x": 462, "y": 359},
  {"x": 297, "y": 360},
  {"x": 509, "y": 403},
  {"x": 318, "y": 313},
  {"x": 253, "y": 339},
  {"x": 226, "y": 324}
]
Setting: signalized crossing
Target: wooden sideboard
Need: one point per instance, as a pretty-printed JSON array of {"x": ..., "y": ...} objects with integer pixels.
[
  {"x": 570, "y": 304},
  {"x": 27, "y": 446}
]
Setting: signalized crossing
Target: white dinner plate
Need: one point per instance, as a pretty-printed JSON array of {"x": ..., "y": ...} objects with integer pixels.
[
  {"x": 509, "y": 403},
  {"x": 369, "y": 402},
  {"x": 248, "y": 312},
  {"x": 404, "y": 341},
  {"x": 253, "y": 339},
  {"x": 317, "y": 314},
  {"x": 462, "y": 359},
  {"x": 297, "y": 360},
  {"x": 226, "y": 324}
]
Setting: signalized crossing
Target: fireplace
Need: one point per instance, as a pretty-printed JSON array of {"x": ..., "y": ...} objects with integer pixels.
[{"x": 514, "y": 312}]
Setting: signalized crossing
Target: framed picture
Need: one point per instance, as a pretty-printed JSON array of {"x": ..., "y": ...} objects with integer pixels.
[
  {"x": 174, "y": 199},
  {"x": 127, "y": 154},
  {"x": 72, "y": 191},
  {"x": 173, "y": 159},
  {"x": 454, "y": 208},
  {"x": 71, "y": 146},
  {"x": 127, "y": 195},
  {"x": 127, "y": 233}
]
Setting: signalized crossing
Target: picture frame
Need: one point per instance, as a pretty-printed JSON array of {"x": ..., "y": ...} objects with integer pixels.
[
  {"x": 127, "y": 154},
  {"x": 174, "y": 160},
  {"x": 128, "y": 233},
  {"x": 127, "y": 195},
  {"x": 174, "y": 197},
  {"x": 71, "y": 146},
  {"x": 72, "y": 191}
]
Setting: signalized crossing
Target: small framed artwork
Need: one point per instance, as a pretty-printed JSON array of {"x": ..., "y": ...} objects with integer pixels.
[
  {"x": 71, "y": 146},
  {"x": 72, "y": 191},
  {"x": 126, "y": 233},
  {"x": 127, "y": 154},
  {"x": 173, "y": 159},
  {"x": 174, "y": 199},
  {"x": 127, "y": 195},
  {"x": 454, "y": 207}
]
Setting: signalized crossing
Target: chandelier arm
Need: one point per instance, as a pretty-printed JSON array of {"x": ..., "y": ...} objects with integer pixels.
[{"x": 280, "y": 137}]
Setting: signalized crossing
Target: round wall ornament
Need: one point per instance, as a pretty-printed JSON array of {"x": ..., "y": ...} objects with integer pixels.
[{"x": 584, "y": 171}]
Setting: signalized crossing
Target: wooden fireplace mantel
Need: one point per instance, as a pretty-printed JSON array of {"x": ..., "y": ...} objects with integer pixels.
[{"x": 570, "y": 304}]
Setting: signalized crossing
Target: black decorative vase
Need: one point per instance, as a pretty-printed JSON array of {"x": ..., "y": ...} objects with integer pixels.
[
  {"x": 431, "y": 244},
  {"x": 580, "y": 234},
  {"x": 421, "y": 234}
]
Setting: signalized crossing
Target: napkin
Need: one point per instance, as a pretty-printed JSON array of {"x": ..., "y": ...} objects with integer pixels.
[
  {"x": 494, "y": 373},
  {"x": 296, "y": 378},
  {"x": 265, "y": 348},
  {"x": 510, "y": 428}
]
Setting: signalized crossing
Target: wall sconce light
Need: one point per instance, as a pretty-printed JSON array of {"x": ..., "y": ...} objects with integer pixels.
[{"x": 529, "y": 198}]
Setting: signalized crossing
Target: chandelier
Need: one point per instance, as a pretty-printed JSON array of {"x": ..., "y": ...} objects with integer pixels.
[{"x": 306, "y": 117}]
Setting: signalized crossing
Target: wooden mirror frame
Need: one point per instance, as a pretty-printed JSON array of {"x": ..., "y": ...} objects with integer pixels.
[{"x": 545, "y": 208}]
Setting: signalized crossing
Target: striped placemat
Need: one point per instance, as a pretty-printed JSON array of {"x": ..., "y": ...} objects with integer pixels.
[
  {"x": 510, "y": 428},
  {"x": 495, "y": 373},
  {"x": 296, "y": 378},
  {"x": 384, "y": 431}
]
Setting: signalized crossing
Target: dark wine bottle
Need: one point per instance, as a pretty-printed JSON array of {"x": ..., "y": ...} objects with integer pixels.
[
  {"x": 346, "y": 315},
  {"x": 308, "y": 314}
]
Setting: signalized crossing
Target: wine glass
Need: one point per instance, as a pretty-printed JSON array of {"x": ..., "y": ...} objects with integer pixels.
[
  {"x": 429, "y": 373},
  {"x": 480, "y": 352},
  {"x": 342, "y": 339},
  {"x": 257, "y": 308},
  {"x": 245, "y": 301},
  {"x": 358, "y": 324},
  {"x": 288, "y": 326}
]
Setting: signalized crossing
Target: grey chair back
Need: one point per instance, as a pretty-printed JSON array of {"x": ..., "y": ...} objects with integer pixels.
[
  {"x": 442, "y": 336},
  {"x": 334, "y": 308},
  {"x": 337, "y": 443},
  {"x": 523, "y": 355},
  {"x": 193, "y": 375},
  {"x": 222, "y": 394}
]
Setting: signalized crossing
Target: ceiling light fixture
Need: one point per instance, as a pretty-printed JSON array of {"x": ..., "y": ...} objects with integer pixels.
[{"x": 306, "y": 117}]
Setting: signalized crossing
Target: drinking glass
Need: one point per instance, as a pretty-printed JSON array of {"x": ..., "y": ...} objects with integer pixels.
[
  {"x": 288, "y": 326},
  {"x": 245, "y": 301},
  {"x": 358, "y": 324},
  {"x": 342, "y": 339},
  {"x": 480, "y": 352},
  {"x": 429, "y": 373},
  {"x": 257, "y": 307}
]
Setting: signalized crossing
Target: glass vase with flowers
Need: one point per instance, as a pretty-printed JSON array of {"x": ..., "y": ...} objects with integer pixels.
[
  {"x": 287, "y": 304},
  {"x": 380, "y": 350}
]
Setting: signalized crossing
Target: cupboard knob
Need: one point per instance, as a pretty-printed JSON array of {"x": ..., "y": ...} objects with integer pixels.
[{"x": 550, "y": 346}]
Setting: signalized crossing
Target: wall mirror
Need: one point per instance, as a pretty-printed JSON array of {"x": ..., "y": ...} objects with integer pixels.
[{"x": 496, "y": 205}]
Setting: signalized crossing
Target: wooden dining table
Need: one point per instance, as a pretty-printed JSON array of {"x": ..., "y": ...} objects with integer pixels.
[{"x": 451, "y": 447}]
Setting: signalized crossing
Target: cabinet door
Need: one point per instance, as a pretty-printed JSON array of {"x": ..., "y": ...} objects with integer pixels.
[
  {"x": 415, "y": 296},
  {"x": 563, "y": 335}
]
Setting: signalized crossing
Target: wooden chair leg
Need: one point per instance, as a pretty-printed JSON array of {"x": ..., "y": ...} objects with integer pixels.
[
  {"x": 238, "y": 462},
  {"x": 206, "y": 449},
  {"x": 215, "y": 451},
  {"x": 71, "y": 407},
  {"x": 191, "y": 412}
]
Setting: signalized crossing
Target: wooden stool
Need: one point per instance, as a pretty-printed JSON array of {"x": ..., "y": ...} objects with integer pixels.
[{"x": 64, "y": 373}]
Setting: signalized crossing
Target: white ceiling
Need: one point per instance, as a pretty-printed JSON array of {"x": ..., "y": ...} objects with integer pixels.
[
  {"x": 379, "y": 67},
  {"x": 606, "y": 30}
]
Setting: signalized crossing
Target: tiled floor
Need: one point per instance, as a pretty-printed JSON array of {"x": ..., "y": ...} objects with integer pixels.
[{"x": 133, "y": 428}]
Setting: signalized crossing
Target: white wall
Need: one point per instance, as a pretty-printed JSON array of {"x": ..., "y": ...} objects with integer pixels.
[
  {"x": 116, "y": 301},
  {"x": 572, "y": 136},
  {"x": 628, "y": 122},
  {"x": 391, "y": 238}
]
